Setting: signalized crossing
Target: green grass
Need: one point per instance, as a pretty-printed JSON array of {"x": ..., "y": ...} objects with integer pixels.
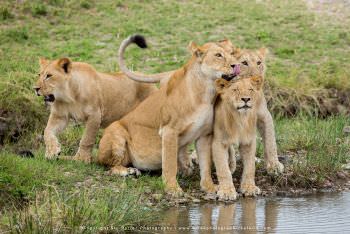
[
  {"x": 308, "y": 50},
  {"x": 77, "y": 194},
  {"x": 41, "y": 196}
]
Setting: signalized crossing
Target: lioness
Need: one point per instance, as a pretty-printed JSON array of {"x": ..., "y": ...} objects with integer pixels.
[
  {"x": 181, "y": 112},
  {"x": 252, "y": 64},
  {"x": 236, "y": 112},
  {"x": 76, "y": 90}
]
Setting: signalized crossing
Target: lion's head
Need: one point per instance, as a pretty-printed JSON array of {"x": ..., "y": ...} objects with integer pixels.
[
  {"x": 242, "y": 94},
  {"x": 53, "y": 78},
  {"x": 252, "y": 62},
  {"x": 216, "y": 59}
]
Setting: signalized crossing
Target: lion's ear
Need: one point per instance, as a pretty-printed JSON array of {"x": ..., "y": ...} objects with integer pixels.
[
  {"x": 257, "y": 81},
  {"x": 236, "y": 51},
  {"x": 226, "y": 42},
  {"x": 263, "y": 52},
  {"x": 221, "y": 85},
  {"x": 43, "y": 62},
  {"x": 195, "y": 49},
  {"x": 65, "y": 64}
]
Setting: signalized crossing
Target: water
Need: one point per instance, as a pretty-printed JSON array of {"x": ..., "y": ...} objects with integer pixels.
[{"x": 325, "y": 213}]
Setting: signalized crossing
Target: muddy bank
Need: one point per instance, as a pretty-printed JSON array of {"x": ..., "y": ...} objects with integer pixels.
[{"x": 289, "y": 184}]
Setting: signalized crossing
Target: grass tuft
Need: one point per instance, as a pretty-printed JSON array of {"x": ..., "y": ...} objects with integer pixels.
[
  {"x": 5, "y": 13},
  {"x": 39, "y": 9}
]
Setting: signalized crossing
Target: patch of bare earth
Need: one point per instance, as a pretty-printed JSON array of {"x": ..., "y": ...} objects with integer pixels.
[{"x": 337, "y": 9}]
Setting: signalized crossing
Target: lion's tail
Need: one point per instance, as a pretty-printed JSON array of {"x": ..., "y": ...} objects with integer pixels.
[{"x": 141, "y": 42}]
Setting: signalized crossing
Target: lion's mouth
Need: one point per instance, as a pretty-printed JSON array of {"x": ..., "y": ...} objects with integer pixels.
[
  {"x": 235, "y": 72},
  {"x": 49, "y": 98},
  {"x": 245, "y": 107}
]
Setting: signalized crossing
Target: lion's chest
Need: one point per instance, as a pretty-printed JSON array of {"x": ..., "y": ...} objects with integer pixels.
[
  {"x": 197, "y": 124},
  {"x": 79, "y": 113}
]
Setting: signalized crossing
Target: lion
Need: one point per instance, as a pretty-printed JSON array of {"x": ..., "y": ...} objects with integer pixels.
[
  {"x": 252, "y": 63},
  {"x": 236, "y": 112},
  {"x": 151, "y": 136},
  {"x": 77, "y": 91}
]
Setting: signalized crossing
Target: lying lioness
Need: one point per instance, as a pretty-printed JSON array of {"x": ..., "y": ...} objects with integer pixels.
[
  {"x": 181, "y": 112},
  {"x": 235, "y": 122},
  {"x": 76, "y": 90},
  {"x": 252, "y": 64}
]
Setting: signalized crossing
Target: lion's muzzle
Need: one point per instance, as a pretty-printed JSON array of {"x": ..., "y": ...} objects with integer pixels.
[
  {"x": 49, "y": 98},
  {"x": 235, "y": 72}
]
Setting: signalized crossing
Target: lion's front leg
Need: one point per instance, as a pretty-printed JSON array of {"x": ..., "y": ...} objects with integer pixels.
[
  {"x": 170, "y": 160},
  {"x": 203, "y": 148},
  {"x": 247, "y": 152},
  {"x": 226, "y": 190},
  {"x": 55, "y": 125},
  {"x": 89, "y": 138},
  {"x": 266, "y": 129}
]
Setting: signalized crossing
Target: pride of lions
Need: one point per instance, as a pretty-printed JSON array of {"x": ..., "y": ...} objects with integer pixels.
[{"x": 215, "y": 101}]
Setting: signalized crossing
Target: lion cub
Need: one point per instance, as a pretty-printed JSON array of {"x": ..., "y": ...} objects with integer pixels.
[
  {"x": 235, "y": 123},
  {"x": 77, "y": 91}
]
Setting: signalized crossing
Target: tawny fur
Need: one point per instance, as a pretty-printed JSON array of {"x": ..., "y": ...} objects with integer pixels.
[
  {"x": 85, "y": 95},
  {"x": 252, "y": 64},
  {"x": 235, "y": 124},
  {"x": 181, "y": 112}
]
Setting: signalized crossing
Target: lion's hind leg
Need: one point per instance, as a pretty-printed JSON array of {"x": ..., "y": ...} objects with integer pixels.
[{"x": 113, "y": 151}]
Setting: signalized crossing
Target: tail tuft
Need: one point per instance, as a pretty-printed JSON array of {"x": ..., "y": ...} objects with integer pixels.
[{"x": 139, "y": 40}]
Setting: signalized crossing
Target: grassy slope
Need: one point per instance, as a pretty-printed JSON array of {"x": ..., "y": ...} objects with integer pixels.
[{"x": 308, "y": 50}]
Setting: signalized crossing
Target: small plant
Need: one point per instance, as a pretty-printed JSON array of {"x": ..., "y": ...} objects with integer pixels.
[
  {"x": 85, "y": 4},
  {"x": 5, "y": 13},
  {"x": 38, "y": 9}
]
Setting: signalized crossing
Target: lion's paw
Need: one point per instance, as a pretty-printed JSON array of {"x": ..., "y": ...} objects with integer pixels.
[
  {"x": 83, "y": 156},
  {"x": 250, "y": 190},
  {"x": 52, "y": 151},
  {"x": 227, "y": 194},
  {"x": 274, "y": 168},
  {"x": 175, "y": 191},
  {"x": 133, "y": 171}
]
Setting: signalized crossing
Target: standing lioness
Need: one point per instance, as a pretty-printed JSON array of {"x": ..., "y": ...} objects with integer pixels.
[
  {"x": 76, "y": 90},
  {"x": 236, "y": 113},
  {"x": 181, "y": 112}
]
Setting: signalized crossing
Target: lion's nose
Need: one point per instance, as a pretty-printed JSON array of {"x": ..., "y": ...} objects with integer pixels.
[{"x": 246, "y": 99}]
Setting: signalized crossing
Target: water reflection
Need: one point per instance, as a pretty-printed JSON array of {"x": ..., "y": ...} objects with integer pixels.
[
  {"x": 326, "y": 213},
  {"x": 240, "y": 217}
]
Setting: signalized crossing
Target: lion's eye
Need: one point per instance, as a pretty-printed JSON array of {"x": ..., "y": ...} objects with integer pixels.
[
  {"x": 259, "y": 62},
  {"x": 251, "y": 90},
  {"x": 48, "y": 76},
  {"x": 235, "y": 90},
  {"x": 218, "y": 55},
  {"x": 245, "y": 63}
]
